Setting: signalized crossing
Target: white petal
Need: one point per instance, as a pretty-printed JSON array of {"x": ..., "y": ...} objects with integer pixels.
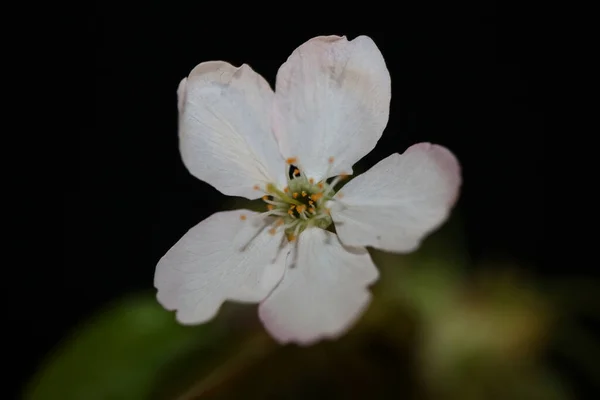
[
  {"x": 332, "y": 99},
  {"x": 395, "y": 204},
  {"x": 225, "y": 134},
  {"x": 322, "y": 293},
  {"x": 221, "y": 258}
]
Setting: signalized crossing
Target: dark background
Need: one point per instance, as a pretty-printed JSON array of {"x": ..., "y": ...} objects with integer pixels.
[{"x": 463, "y": 75}]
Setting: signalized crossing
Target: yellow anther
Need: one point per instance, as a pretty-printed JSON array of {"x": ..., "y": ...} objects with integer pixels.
[
  {"x": 286, "y": 189},
  {"x": 291, "y": 212},
  {"x": 270, "y": 207},
  {"x": 320, "y": 185},
  {"x": 279, "y": 222},
  {"x": 291, "y": 238},
  {"x": 256, "y": 187},
  {"x": 303, "y": 193},
  {"x": 291, "y": 160},
  {"x": 301, "y": 208},
  {"x": 243, "y": 217},
  {"x": 272, "y": 231},
  {"x": 344, "y": 176},
  {"x": 316, "y": 196},
  {"x": 331, "y": 160},
  {"x": 295, "y": 195},
  {"x": 296, "y": 172},
  {"x": 311, "y": 210},
  {"x": 265, "y": 197},
  {"x": 311, "y": 180},
  {"x": 310, "y": 202},
  {"x": 292, "y": 206}
]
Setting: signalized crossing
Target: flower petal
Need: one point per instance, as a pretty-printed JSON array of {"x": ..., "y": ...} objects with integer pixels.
[
  {"x": 228, "y": 256},
  {"x": 322, "y": 293},
  {"x": 395, "y": 204},
  {"x": 225, "y": 134},
  {"x": 332, "y": 99}
]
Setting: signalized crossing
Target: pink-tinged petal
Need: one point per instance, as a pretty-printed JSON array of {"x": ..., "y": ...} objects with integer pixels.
[
  {"x": 225, "y": 134},
  {"x": 332, "y": 99},
  {"x": 228, "y": 256},
  {"x": 395, "y": 204},
  {"x": 323, "y": 292}
]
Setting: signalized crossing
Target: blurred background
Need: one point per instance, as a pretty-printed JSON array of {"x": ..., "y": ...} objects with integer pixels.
[{"x": 478, "y": 312}]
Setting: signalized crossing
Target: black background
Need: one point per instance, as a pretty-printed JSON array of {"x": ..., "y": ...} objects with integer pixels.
[{"x": 463, "y": 75}]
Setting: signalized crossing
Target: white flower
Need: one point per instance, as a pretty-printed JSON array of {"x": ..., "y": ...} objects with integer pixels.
[{"x": 329, "y": 109}]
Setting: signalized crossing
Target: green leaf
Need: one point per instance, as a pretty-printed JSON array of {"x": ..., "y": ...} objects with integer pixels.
[{"x": 123, "y": 353}]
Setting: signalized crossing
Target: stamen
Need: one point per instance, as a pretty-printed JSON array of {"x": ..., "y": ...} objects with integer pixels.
[
  {"x": 291, "y": 160},
  {"x": 275, "y": 212},
  {"x": 272, "y": 231},
  {"x": 316, "y": 196},
  {"x": 270, "y": 207},
  {"x": 276, "y": 203},
  {"x": 335, "y": 181},
  {"x": 312, "y": 180},
  {"x": 328, "y": 172},
  {"x": 243, "y": 217},
  {"x": 291, "y": 224},
  {"x": 303, "y": 193},
  {"x": 295, "y": 234},
  {"x": 256, "y": 187},
  {"x": 320, "y": 216},
  {"x": 296, "y": 172},
  {"x": 295, "y": 195},
  {"x": 286, "y": 189}
]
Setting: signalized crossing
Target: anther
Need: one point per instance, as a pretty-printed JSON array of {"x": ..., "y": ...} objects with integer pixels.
[
  {"x": 295, "y": 195},
  {"x": 265, "y": 197},
  {"x": 270, "y": 207},
  {"x": 331, "y": 160},
  {"x": 312, "y": 180},
  {"x": 272, "y": 231},
  {"x": 320, "y": 185},
  {"x": 286, "y": 189},
  {"x": 303, "y": 193},
  {"x": 291, "y": 160},
  {"x": 256, "y": 187},
  {"x": 296, "y": 172},
  {"x": 316, "y": 196},
  {"x": 243, "y": 217}
]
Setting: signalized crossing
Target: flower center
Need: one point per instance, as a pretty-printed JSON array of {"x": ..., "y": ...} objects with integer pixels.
[{"x": 301, "y": 204}]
